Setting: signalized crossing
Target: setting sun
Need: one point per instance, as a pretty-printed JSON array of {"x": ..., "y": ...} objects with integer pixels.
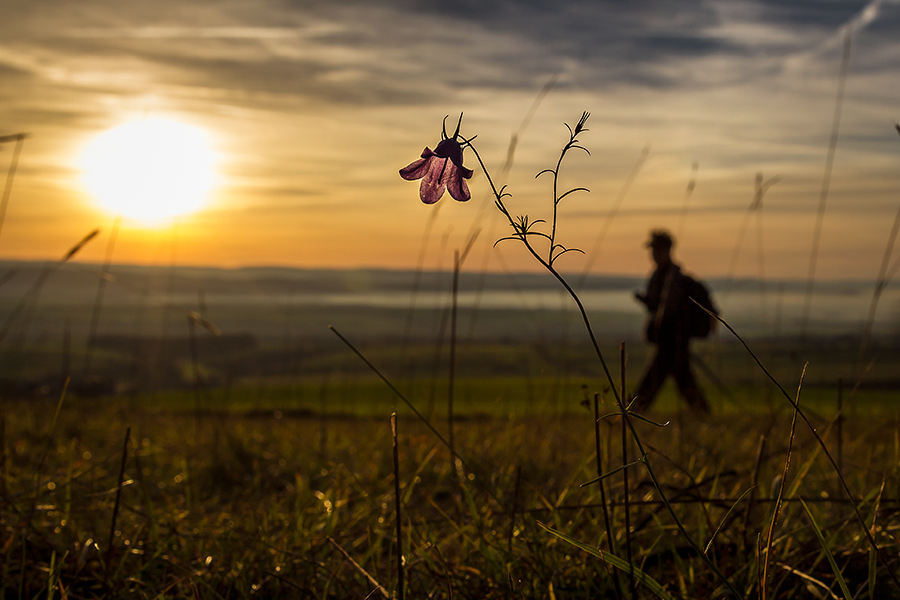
[{"x": 150, "y": 170}]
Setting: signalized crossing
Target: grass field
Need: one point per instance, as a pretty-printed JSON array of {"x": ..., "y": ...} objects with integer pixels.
[
  {"x": 231, "y": 466},
  {"x": 287, "y": 490}
]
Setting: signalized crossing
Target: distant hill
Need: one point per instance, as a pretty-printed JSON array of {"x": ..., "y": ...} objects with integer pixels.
[{"x": 275, "y": 302}]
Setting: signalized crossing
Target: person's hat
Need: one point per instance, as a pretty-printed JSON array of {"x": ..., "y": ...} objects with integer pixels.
[{"x": 660, "y": 238}]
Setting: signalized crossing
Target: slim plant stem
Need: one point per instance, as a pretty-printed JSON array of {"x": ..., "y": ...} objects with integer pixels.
[
  {"x": 406, "y": 401},
  {"x": 420, "y": 265},
  {"x": 195, "y": 367},
  {"x": 688, "y": 192},
  {"x": 50, "y": 434},
  {"x": 10, "y": 175},
  {"x": 610, "y": 540},
  {"x": 115, "y": 514},
  {"x": 396, "y": 449},
  {"x": 452, "y": 376},
  {"x": 880, "y": 284},
  {"x": 515, "y": 508},
  {"x": 840, "y": 424},
  {"x": 760, "y": 449},
  {"x": 34, "y": 291},
  {"x": 826, "y": 181},
  {"x": 626, "y": 487},
  {"x": 594, "y": 253},
  {"x": 101, "y": 288},
  {"x": 777, "y": 508},
  {"x": 4, "y": 472}
]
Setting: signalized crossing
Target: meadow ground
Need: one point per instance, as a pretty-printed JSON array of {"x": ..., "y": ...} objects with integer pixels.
[{"x": 289, "y": 491}]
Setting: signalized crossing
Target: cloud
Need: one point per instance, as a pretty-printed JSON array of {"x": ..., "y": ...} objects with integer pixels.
[{"x": 321, "y": 101}]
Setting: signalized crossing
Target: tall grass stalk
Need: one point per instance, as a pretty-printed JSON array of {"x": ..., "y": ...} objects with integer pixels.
[
  {"x": 51, "y": 433},
  {"x": 826, "y": 181},
  {"x": 688, "y": 193},
  {"x": 839, "y": 424},
  {"x": 11, "y": 173},
  {"x": 610, "y": 539},
  {"x": 777, "y": 508},
  {"x": 115, "y": 513},
  {"x": 33, "y": 293},
  {"x": 761, "y": 186},
  {"x": 880, "y": 284},
  {"x": 754, "y": 481},
  {"x": 101, "y": 288},
  {"x": 400, "y": 395},
  {"x": 626, "y": 488},
  {"x": 454, "y": 306},
  {"x": 594, "y": 253},
  {"x": 396, "y": 456}
]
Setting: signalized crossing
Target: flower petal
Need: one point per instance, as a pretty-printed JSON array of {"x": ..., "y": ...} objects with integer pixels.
[
  {"x": 415, "y": 169},
  {"x": 458, "y": 188},
  {"x": 431, "y": 189},
  {"x": 418, "y": 168}
]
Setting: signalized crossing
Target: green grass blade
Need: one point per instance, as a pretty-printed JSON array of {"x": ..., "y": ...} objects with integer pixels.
[
  {"x": 828, "y": 554},
  {"x": 873, "y": 563},
  {"x": 653, "y": 585},
  {"x": 611, "y": 473},
  {"x": 725, "y": 518}
]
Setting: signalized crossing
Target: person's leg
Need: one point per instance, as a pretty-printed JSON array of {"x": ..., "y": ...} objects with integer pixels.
[
  {"x": 687, "y": 384},
  {"x": 653, "y": 378}
]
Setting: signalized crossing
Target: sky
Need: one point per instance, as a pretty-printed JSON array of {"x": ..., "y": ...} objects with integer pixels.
[{"x": 312, "y": 108}]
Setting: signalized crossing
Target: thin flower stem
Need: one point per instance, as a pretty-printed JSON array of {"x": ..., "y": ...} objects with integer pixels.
[
  {"x": 609, "y": 377},
  {"x": 562, "y": 155}
]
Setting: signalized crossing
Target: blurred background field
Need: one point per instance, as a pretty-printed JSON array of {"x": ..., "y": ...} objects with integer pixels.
[{"x": 262, "y": 327}]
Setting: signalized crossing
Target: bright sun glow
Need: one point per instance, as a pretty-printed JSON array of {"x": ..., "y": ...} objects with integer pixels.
[{"x": 150, "y": 170}]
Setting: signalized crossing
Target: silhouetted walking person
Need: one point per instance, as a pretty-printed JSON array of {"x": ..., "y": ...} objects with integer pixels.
[{"x": 669, "y": 327}]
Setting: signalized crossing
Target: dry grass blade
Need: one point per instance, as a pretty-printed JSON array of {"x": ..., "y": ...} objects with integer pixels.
[
  {"x": 810, "y": 579},
  {"x": 77, "y": 247},
  {"x": 777, "y": 508},
  {"x": 196, "y": 319},
  {"x": 611, "y": 473},
  {"x": 34, "y": 291},
  {"x": 15, "y": 137},
  {"x": 724, "y": 520},
  {"x": 873, "y": 558},
  {"x": 359, "y": 568}
]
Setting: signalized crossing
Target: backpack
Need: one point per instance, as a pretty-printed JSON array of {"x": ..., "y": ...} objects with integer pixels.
[{"x": 699, "y": 322}]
